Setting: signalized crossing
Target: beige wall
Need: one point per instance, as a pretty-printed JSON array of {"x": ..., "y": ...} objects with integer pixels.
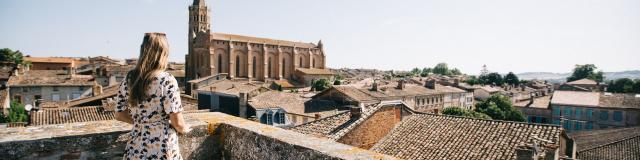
[{"x": 369, "y": 132}]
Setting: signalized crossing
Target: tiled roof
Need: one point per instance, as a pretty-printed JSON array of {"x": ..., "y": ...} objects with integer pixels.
[
  {"x": 293, "y": 103},
  {"x": 617, "y": 100},
  {"x": 70, "y": 115},
  {"x": 575, "y": 98},
  {"x": 448, "y": 89},
  {"x": 50, "y": 59},
  {"x": 592, "y": 139},
  {"x": 233, "y": 87},
  {"x": 539, "y": 102},
  {"x": 5, "y": 72},
  {"x": 50, "y": 78},
  {"x": 257, "y": 40},
  {"x": 490, "y": 89},
  {"x": 352, "y": 92},
  {"x": 583, "y": 81},
  {"x": 314, "y": 71},
  {"x": 334, "y": 127},
  {"x": 426, "y": 136},
  {"x": 623, "y": 149}
]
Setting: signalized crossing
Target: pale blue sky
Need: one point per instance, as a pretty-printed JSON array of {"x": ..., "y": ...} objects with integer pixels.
[{"x": 507, "y": 35}]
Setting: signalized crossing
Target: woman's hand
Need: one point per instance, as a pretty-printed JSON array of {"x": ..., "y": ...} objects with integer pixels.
[
  {"x": 177, "y": 121},
  {"x": 184, "y": 130}
]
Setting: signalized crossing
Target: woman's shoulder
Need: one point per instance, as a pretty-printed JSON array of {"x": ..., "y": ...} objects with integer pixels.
[{"x": 166, "y": 76}]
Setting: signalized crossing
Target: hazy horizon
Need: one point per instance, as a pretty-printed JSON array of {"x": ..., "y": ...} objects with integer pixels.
[{"x": 506, "y": 35}]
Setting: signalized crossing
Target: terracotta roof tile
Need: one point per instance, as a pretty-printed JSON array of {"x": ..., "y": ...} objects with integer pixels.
[
  {"x": 623, "y": 149},
  {"x": 70, "y": 115},
  {"x": 258, "y": 40},
  {"x": 583, "y": 81},
  {"x": 314, "y": 71},
  {"x": 426, "y": 136},
  {"x": 50, "y": 78},
  {"x": 294, "y": 103}
]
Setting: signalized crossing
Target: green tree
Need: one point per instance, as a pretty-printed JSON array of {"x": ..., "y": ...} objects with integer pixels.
[
  {"x": 511, "y": 79},
  {"x": 622, "y": 85},
  {"x": 586, "y": 71},
  {"x": 416, "y": 71},
  {"x": 7, "y": 54},
  {"x": 441, "y": 68},
  {"x": 425, "y": 72},
  {"x": 337, "y": 82},
  {"x": 17, "y": 112},
  {"x": 473, "y": 80},
  {"x": 492, "y": 78},
  {"x": 636, "y": 86},
  {"x": 499, "y": 107},
  {"x": 320, "y": 84},
  {"x": 455, "y": 71},
  {"x": 457, "y": 111},
  {"x": 2, "y": 118}
]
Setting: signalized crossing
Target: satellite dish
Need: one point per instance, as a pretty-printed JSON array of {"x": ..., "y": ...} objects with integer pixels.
[{"x": 28, "y": 107}]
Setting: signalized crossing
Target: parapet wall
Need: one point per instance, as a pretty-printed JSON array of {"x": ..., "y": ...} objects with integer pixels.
[{"x": 215, "y": 136}]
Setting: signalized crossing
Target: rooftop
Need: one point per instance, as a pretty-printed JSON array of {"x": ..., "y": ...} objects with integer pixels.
[
  {"x": 294, "y": 103},
  {"x": 583, "y": 81},
  {"x": 539, "y": 102},
  {"x": 50, "y": 78},
  {"x": 593, "y": 139},
  {"x": 70, "y": 115},
  {"x": 618, "y": 100},
  {"x": 576, "y": 98},
  {"x": 427, "y": 136},
  {"x": 233, "y": 87},
  {"x": 314, "y": 71},
  {"x": 258, "y": 40}
]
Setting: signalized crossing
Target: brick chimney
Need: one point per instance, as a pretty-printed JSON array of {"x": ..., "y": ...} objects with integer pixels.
[
  {"x": 401, "y": 84},
  {"x": 355, "y": 111},
  {"x": 431, "y": 84},
  {"x": 374, "y": 86}
]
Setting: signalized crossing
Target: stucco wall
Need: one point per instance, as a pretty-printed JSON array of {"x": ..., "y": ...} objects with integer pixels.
[{"x": 373, "y": 129}]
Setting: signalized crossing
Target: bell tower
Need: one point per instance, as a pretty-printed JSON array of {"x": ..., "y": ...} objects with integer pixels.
[{"x": 199, "y": 25}]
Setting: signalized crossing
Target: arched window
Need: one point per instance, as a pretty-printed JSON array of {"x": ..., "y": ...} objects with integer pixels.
[
  {"x": 281, "y": 117},
  {"x": 301, "y": 62},
  {"x": 219, "y": 63},
  {"x": 238, "y": 66},
  {"x": 284, "y": 66},
  {"x": 269, "y": 67},
  {"x": 269, "y": 118},
  {"x": 254, "y": 67},
  {"x": 314, "y": 64}
]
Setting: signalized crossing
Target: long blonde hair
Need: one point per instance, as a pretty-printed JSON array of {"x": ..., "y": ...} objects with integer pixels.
[{"x": 153, "y": 59}]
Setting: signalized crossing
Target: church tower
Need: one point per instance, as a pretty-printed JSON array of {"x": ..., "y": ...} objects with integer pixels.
[
  {"x": 198, "y": 20},
  {"x": 199, "y": 24}
]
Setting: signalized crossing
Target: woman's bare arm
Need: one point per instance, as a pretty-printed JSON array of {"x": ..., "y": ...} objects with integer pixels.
[
  {"x": 177, "y": 121},
  {"x": 124, "y": 116}
]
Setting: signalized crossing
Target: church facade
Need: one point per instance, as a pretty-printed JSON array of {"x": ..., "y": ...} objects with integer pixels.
[{"x": 244, "y": 56}]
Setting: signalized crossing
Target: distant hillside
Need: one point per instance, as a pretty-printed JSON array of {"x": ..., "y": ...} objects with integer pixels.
[{"x": 561, "y": 77}]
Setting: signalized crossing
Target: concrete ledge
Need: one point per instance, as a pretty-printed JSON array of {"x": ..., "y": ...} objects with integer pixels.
[{"x": 215, "y": 136}]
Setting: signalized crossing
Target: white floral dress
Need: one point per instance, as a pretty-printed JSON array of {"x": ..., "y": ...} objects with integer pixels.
[{"x": 152, "y": 136}]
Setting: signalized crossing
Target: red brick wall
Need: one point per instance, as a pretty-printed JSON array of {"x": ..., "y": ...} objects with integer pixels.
[{"x": 369, "y": 132}]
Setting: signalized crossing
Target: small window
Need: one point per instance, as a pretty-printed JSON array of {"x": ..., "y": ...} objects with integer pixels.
[
  {"x": 604, "y": 115},
  {"x": 556, "y": 121},
  {"x": 578, "y": 112},
  {"x": 55, "y": 97},
  {"x": 269, "y": 118},
  {"x": 81, "y": 88},
  {"x": 567, "y": 125},
  {"x": 589, "y": 125},
  {"x": 25, "y": 89},
  {"x": 589, "y": 113},
  {"x": 567, "y": 111},
  {"x": 578, "y": 126},
  {"x": 617, "y": 116},
  {"x": 556, "y": 111},
  {"x": 282, "y": 117},
  {"x": 55, "y": 88}
]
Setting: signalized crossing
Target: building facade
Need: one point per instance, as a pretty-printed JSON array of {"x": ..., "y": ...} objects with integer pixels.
[
  {"x": 578, "y": 111},
  {"x": 243, "y": 56}
]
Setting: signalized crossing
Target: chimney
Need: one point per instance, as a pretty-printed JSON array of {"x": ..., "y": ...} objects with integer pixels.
[
  {"x": 374, "y": 86},
  {"x": 355, "y": 111},
  {"x": 71, "y": 71},
  {"x": 401, "y": 84},
  {"x": 431, "y": 84},
  {"x": 522, "y": 87},
  {"x": 243, "y": 101},
  {"x": 97, "y": 90},
  {"x": 456, "y": 82}
]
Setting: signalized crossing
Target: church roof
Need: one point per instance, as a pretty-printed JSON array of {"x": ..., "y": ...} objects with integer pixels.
[
  {"x": 258, "y": 40},
  {"x": 583, "y": 81}
]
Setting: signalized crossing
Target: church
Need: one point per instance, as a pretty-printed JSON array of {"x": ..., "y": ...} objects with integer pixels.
[{"x": 241, "y": 56}]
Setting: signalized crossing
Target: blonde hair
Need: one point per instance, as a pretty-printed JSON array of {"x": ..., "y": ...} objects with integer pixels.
[{"x": 153, "y": 59}]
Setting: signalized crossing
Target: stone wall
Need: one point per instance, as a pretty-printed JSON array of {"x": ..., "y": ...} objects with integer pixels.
[
  {"x": 373, "y": 129},
  {"x": 215, "y": 136}
]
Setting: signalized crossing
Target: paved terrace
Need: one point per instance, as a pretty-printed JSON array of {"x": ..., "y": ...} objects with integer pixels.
[{"x": 215, "y": 136}]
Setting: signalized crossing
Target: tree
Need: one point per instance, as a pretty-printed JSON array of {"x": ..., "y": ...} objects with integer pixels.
[
  {"x": 320, "y": 84},
  {"x": 492, "y": 78},
  {"x": 473, "y": 80},
  {"x": 457, "y": 111},
  {"x": 636, "y": 86},
  {"x": 7, "y": 54},
  {"x": 499, "y": 107},
  {"x": 622, "y": 85},
  {"x": 17, "y": 113},
  {"x": 455, "y": 71},
  {"x": 586, "y": 71},
  {"x": 337, "y": 82},
  {"x": 441, "y": 68},
  {"x": 425, "y": 72},
  {"x": 2, "y": 118},
  {"x": 416, "y": 71},
  {"x": 511, "y": 79}
]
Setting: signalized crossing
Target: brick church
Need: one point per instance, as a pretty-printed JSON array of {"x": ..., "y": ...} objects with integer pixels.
[{"x": 244, "y": 56}]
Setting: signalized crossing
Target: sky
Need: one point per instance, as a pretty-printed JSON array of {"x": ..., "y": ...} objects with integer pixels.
[{"x": 506, "y": 35}]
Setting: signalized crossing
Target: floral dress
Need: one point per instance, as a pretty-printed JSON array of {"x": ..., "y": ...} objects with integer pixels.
[{"x": 152, "y": 136}]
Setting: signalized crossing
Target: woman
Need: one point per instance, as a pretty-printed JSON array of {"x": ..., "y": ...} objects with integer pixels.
[{"x": 149, "y": 99}]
